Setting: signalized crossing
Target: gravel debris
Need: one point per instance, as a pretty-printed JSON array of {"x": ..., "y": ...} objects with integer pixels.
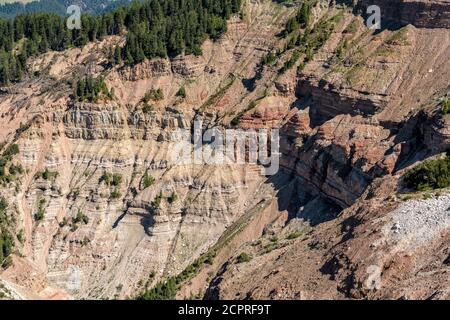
[{"x": 418, "y": 222}]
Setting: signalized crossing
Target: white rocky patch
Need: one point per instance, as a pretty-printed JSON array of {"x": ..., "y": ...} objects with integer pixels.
[{"x": 418, "y": 222}]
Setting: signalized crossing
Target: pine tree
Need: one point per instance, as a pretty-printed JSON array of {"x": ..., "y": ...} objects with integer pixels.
[
  {"x": 304, "y": 14},
  {"x": 117, "y": 55},
  {"x": 155, "y": 28}
]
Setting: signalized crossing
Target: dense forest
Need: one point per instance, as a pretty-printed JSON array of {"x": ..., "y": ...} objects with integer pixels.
[
  {"x": 10, "y": 10},
  {"x": 155, "y": 28}
]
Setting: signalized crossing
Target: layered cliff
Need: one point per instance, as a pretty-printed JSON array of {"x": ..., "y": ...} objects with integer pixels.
[{"x": 102, "y": 211}]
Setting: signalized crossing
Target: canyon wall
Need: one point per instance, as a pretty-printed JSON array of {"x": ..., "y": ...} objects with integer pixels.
[
  {"x": 420, "y": 13},
  {"x": 105, "y": 213}
]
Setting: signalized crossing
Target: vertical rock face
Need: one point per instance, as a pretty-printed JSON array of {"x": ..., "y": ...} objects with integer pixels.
[
  {"x": 420, "y": 13},
  {"x": 341, "y": 158},
  {"x": 125, "y": 236},
  {"x": 332, "y": 102}
]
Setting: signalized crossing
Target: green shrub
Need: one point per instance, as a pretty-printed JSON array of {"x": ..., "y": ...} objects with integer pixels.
[
  {"x": 301, "y": 19},
  {"x": 294, "y": 235},
  {"x": 47, "y": 175},
  {"x": 15, "y": 169},
  {"x": 152, "y": 94},
  {"x": 209, "y": 258},
  {"x": 63, "y": 223},
  {"x": 269, "y": 59},
  {"x": 181, "y": 93},
  {"x": 270, "y": 247},
  {"x": 106, "y": 178},
  {"x": 244, "y": 257},
  {"x": 3, "y": 207},
  {"x": 237, "y": 119},
  {"x": 21, "y": 236},
  {"x": 431, "y": 174},
  {"x": 407, "y": 198},
  {"x": 85, "y": 241},
  {"x": 342, "y": 47},
  {"x": 6, "y": 245},
  {"x": 427, "y": 196},
  {"x": 146, "y": 108},
  {"x": 6, "y": 239},
  {"x": 39, "y": 215},
  {"x": 111, "y": 179},
  {"x": 6, "y": 157},
  {"x": 116, "y": 179},
  {"x": 291, "y": 62},
  {"x": 166, "y": 290},
  {"x": 231, "y": 78},
  {"x": 352, "y": 27},
  {"x": 11, "y": 151},
  {"x": 157, "y": 202},
  {"x": 80, "y": 217},
  {"x": 172, "y": 198},
  {"x": 301, "y": 67},
  {"x": 445, "y": 104},
  {"x": 148, "y": 180},
  {"x": 116, "y": 194}
]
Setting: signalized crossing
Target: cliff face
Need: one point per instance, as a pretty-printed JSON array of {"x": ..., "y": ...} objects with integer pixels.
[
  {"x": 366, "y": 111},
  {"x": 420, "y": 13},
  {"x": 103, "y": 238},
  {"x": 118, "y": 216}
]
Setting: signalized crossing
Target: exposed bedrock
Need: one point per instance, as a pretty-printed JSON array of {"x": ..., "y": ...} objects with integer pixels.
[
  {"x": 329, "y": 101},
  {"x": 420, "y": 13}
]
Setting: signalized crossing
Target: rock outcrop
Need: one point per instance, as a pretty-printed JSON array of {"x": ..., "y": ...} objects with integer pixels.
[{"x": 420, "y": 13}]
